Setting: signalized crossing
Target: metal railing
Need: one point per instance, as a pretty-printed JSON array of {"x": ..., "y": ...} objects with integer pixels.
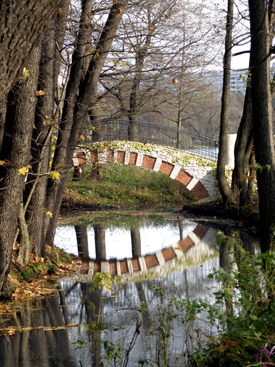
[{"x": 146, "y": 132}]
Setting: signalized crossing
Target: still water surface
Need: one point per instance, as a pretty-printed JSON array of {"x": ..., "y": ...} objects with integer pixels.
[{"x": 146, "y": 252}]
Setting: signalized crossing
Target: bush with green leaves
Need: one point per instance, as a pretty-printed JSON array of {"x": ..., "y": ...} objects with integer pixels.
[{"x": 250, "y": 291}]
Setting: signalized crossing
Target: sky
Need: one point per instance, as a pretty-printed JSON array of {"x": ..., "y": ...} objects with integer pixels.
[
  {"x": 240, "y": 61},
  {"x": 241, "y": 32}
]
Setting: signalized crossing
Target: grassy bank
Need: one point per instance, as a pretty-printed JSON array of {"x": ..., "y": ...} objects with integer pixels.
[
  {"x": 124, "y": 186},
  {"x": 247, "y": 215}
]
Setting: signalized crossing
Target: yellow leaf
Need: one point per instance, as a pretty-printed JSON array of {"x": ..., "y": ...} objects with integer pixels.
[
  {"x": 114, "y": 61},
  {"x": 49, "y": 120},
  {"x": 4, "y": 162},
  {"x": 55, "y": 175},
  {"x": 54, "y": 138},
  {"x": 40, "y": 93},
  {"x": 123, "y": 65},
  {"x": 49, "y": 213},
  {"x": 25, "y": 73},
  {"x": 23, "y": 171},
  {"x": 88, "y": 137}
]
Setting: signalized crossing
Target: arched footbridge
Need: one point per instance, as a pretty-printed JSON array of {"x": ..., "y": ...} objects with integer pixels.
[
  {"x": 194, "y": 164},
  {"x": 195, "y": 172}
]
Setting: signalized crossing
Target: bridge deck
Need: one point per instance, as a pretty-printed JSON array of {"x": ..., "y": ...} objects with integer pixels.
[{"x": 145, "y": 132}]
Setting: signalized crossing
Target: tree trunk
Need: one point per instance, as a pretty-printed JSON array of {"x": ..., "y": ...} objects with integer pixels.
[
  {"x": 134, "y": 105},
  {"x": 100, "y": 244},
  {"x": 136, "y": 243},
  {"x": 45, "y": 106},
  {"x": 41, "y": 144},
  {"x": 82, "y": 241},
  {"x": 67, "y": 125},
  {"x": 225, "y": 191},
  {"x": 260, "y": 23},
  {"x": 24, "y": 250},
  {"x": 22, "y": 24},
  {"x": 87, "y": 96},
  {"x": 16, "y": 150},
  {"x": 242, "y": 173}
]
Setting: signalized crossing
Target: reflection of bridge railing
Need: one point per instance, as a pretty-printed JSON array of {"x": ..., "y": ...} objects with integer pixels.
[{"x": 111, "y": 129}]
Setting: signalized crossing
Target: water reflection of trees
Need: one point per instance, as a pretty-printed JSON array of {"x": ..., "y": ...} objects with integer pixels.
[
  {"x": 82, "y": 241},
  {"x": 190, "y": 284},
  {"x": 86, "y": 303},
  {"x": 49, "y": 348}
]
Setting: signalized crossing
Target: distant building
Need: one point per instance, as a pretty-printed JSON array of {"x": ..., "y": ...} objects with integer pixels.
[{"x": 237, "y": 80}]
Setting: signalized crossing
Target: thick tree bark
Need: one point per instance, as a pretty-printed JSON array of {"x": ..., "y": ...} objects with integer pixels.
[
  {"x": 22, "y": 24},
  {"x": 225, "y": 191},
  {"x": 242, "y": 173},
  {"x": 16, "y": 150},
  {"x": 260, "y": 23}
]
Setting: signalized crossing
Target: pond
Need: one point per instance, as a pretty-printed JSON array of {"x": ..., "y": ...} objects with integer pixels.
[{"x": 158, "y": 261}]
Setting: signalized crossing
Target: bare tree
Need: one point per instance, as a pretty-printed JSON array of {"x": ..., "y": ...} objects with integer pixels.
[
  {"x": 159, "y": 44},
  {"x": 225, "y": 191}
]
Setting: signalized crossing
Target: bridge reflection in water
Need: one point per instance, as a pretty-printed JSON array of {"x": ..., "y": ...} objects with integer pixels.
[
  {"x": 138, "y": 249},
  {"x": 39, "y": 332},
  {"x": 190, "y": 282}
]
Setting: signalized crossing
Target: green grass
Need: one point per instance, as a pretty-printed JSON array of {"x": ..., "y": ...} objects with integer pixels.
[{"x": 125, "y": 185}]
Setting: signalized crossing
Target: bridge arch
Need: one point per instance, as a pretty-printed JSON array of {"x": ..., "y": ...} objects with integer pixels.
[{"x": 193, "y": 171}]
